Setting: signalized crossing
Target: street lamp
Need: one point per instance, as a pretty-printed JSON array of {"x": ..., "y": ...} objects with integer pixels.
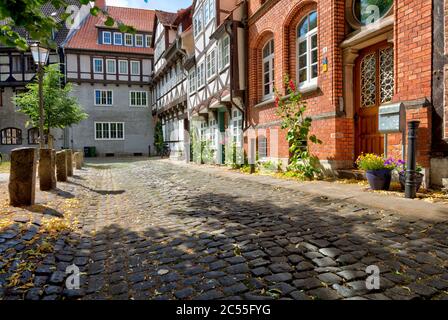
[{"x": 40, "y": 56}]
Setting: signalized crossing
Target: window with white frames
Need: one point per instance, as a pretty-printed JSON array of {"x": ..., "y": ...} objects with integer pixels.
[
  {"x": 204, "y": 130},
  {"x": 148, "y": 39},
  {"x": 237, "y": 127},
  {"x": 107, "y": 37},
  {"x": 109, "y": 130},
  {"x": 211, "y": 64},
  {"x": 135, "y": 68},
  {"x": 262, "y": 147},
  {"x": 209, "y": 11},
  {"x": 103, "y": 97},
  {"x": 213, "y": 124},
  {"x": 224, "y": 52},
  {"x": 201, "y": 75},
  {"x": 268, "y": 69},
  {"x": 139, "y": 40},
  {"x": 198, "y": 22},
  {"x": 118, "y": 38},
  {"x": 206, "y": 12},
  {"x": 138, "y": 99},
  {"x": 192, "y": 81},
  {"x": 123, "y": 67},
  {"x": 128, "y": 39},
  {"x": 111, "y": 66},
  {"x": 307, "y": 52},
  {"x": 98, "y": 65}
]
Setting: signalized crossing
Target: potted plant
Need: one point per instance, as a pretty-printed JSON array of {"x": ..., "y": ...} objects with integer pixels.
[
  {"x": 401, "y": 167},
  {"x": 378, "y": 171}
]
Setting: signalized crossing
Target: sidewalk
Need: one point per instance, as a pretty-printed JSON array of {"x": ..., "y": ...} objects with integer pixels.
[
  {"x": 4, "y": 177},
  {"x": 412, "y": 209}
]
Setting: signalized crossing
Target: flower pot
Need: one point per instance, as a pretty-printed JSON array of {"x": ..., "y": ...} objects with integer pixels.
[
  {"x": 379, "y": 179},
  {"x": 418, "y": 179}
]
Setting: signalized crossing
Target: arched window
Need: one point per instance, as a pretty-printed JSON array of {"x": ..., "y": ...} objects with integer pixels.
[
  {"x": 268, "y": 70},
  {"x": 11, "y": 136},
  {"x": 307, "y": 51},
  {"x": 33, "y": 136}
]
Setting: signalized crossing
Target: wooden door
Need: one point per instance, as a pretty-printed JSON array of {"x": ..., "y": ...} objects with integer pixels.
[{"x": 374, "y": 86}]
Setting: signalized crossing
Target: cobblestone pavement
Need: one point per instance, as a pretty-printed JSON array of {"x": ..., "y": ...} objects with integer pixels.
[{"x": 154, "y": 230}]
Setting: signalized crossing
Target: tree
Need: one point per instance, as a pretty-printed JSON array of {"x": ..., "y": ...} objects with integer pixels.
[
  {"x": 60, "y": 108},
  {"x": 27, "y": 15},
  {"x": 158, "y": 137}
]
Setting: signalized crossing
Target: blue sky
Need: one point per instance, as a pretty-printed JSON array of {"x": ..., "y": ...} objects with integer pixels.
[{"x": 165, "y": 5}]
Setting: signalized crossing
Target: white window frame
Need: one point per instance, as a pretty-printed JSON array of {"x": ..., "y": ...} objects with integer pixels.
[
  {"x": 269, "y": 59},
  {"x": 237, "y": 127},
  {"x": 192, "y": 81},
  {"x": 310, "y": 82},
  {"x": 213, "y": 128},
  {"x": 136, "y": 98},
  {"x": 125, "y": 40},
  {"x": 121, "y": 38},
  {"x": 224, "y": 52},
  {"x": 127, "y": 67},
  {"x": 101, "y": 104},
  {"x": 109, "y": 130},
  {"x": 110, "y": 37},
  {"x": 198, "y": 22},
  {"x": 107, "y": 66},
  {"x": 148, "y": 40},
  {"x": 134, "y": 62},
  {"x": 139, "y": 36},
  {"x": 200, "y": 75},
  {"x": 210, "y": 5},
  {"x": 211, "y": 64},
  {"x": 94, "y": 65},
  {"x": 262, "y": 147}
]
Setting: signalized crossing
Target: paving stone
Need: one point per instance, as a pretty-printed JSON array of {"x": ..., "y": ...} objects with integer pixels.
[
  {"x": 235, "y": 289},
  {"x": 330, "y": 278},
  {"x": 350, "y": 275},
  {"x": 304, "y": 266},
  {"x": 299, "y": 295},
  {"x": 330, "y": 252},
  {"x": 307, "y": 284},
  {"x": 325, "y": 262},
  {"x": 281, "y": 267},
  {"x": 184, "y": 293},
  {"x": 238, "y": 268},
  {"x": 283, "y": 287},
  {"x": 279, "y": 277},
  {"x": 324, "y": 294},
  {"x": 210, "y": 295},
  {"x": 261, "y": 271},
  {"x": 422, "y": 290},
  {"x": 57, "y": 277}
]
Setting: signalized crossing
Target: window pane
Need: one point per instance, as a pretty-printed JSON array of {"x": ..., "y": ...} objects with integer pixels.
[
  {"x": 302, "y": 75},
  {"x": 314, "y": 56},
  {"x": 314, "y": 71},
  {"x": 302, "y": 47},
  {"x": 313, "y": 20},
  {"x": 303, "y": 28},
  {"x": 314, "y": 41},
  {"x": 302, "y": 61}
]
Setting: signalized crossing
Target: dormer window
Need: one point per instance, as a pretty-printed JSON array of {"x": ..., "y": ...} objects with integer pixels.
[
  {"x": 148, "y": 39},
  {"x": 118, "y": 39},
  {"x": 139, "y": 40},
  {"x": 128, "y": 39},
  {"x": 107, "y": 37}
]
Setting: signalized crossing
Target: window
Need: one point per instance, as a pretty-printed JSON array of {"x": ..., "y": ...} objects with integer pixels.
[
  {"x": 307, "y": 53},
  {"x": 123, "y": 67},
  {"x": 198, "y": 23},
  {"x": 139, "y": 40},
  {"x": 200, "y": 75},
  {"x": 213, "y": 124},
  {"x": 33, "y": 136},
  {"x": 128, "y": 39},
  {"x": 262, "y": 147},
  {"x": 135, "y": 67},
  {"x": 30, "y": 65},
  {"x": 11, "y": 136},
  {"x": 211, "y": 64},
  {"x": 138, "y": 98},
  {"x": 237, "y": 127},
  {"x": 103, "y": 97},
  {"x": 224, "y": 53},
  {"x": 209, "y": 11},
  {"x": 16, "y": 64},
  {"x": 107, "y": 37},
  {"x": 109, "y": 130},
  {"x": 268, "y": 70},
  {"x": 204, "y": 131},
  {"x": 118, "y": 38},
  {"x": 98, "y": 65},
  {"x": 148, "y": 39},
  {"x": 192, "y": 80},
  {"x": 111, "y": 67}
]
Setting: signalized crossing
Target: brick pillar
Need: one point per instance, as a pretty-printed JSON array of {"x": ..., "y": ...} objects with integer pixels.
[
  {"x": 22, "y": 179},
  {"x": 47, "y": 169},
  {"x": 69, "y": 153},
  {"x": 78, "y": 160},
  {"x": 61, "y": 165}
]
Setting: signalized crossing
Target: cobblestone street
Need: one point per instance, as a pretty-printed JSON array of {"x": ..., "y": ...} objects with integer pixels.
[{"x": 155, "y": 230}]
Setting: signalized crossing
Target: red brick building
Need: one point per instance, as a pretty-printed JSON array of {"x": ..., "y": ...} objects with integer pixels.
[{"x": 349, "y": 57}]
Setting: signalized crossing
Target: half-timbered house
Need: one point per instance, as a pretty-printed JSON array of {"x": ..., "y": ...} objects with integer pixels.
[
  {"x": 217, "y": 75},
  {"x": 111, "y": 71},
  {"x": 169, "y": 81}
]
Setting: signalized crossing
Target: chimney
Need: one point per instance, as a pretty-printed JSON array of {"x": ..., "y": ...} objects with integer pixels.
[{"x": 100, "y": 4}]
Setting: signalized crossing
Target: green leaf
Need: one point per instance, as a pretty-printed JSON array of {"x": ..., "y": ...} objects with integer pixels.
[{"x": 109, "y": 21}]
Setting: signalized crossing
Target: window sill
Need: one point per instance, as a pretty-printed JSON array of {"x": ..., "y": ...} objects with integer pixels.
[
  {"x": 309, "y": 87},
  {"x": 265, "y": 103}
]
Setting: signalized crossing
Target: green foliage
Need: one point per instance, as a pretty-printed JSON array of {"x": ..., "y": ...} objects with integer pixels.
[
  {"x": 270, "y": 165},
  {"x": 291, "y": 109},
  {"x": 60, "y": 108},
  {"x": 27, "y": 15},
  {"x": 208, "y": 154},
  {"x": 158, "y": 137}
]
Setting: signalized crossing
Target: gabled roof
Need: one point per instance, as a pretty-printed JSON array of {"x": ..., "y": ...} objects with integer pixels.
[
  {"x": 166, "y": 18},
  {"x": 173, "y": 19},
  {"x": 86, "y": 38}
]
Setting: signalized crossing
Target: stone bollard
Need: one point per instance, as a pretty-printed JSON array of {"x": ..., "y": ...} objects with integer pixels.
[
  {"x": 22, "y": 178},
  {"x": 78, "y": 160},
  {"x": 47, "y": 164},
  {"x": 69, "y": 153},
  {"x": 61, "y": 165}
]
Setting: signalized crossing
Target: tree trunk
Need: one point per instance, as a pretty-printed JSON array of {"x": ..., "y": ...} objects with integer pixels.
[{"x": 50, "y": 140}]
